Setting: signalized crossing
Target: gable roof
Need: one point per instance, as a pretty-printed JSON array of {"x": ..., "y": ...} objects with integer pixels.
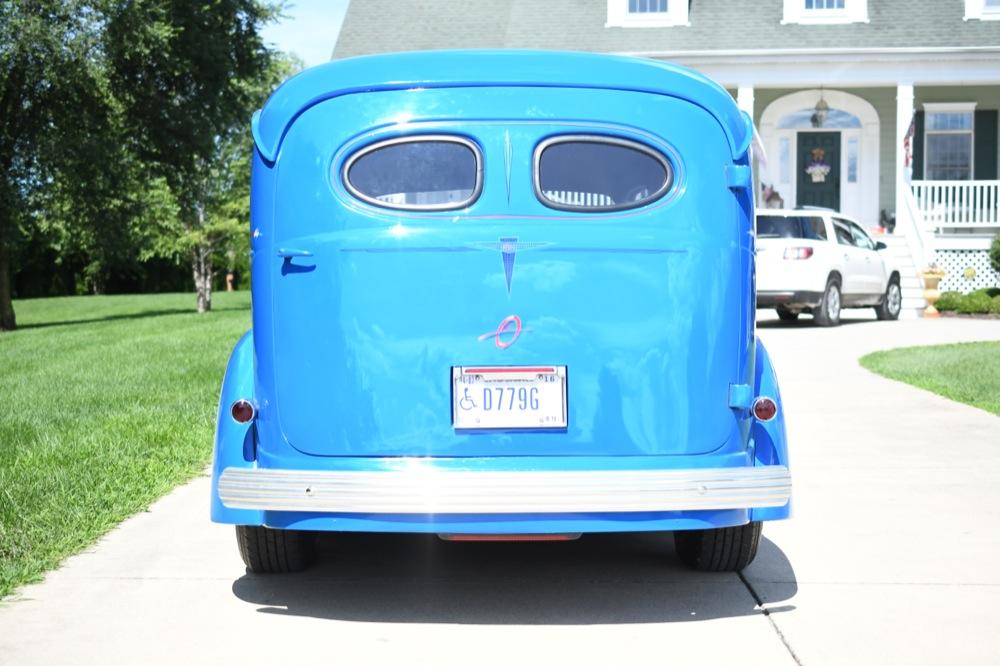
[
  {"x": 377, "y": 26},
  {"x": 450, "y": 69}
]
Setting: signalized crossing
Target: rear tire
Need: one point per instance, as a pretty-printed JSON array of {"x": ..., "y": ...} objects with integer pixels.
[
  {"x": 720, "y": 549},
  {"x": 786, "y": 315},
  {"x": 892, "y": 302},
  {"x": 828, "y": 311},
  {"x": 273, "y": 551}
]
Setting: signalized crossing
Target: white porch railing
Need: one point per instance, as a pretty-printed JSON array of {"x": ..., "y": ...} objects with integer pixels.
[
  {"x": 958, "y": 204},
  {"x": 911, "y": 225}
]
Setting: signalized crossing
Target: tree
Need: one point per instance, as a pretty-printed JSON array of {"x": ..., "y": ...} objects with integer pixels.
[
  {"x": 49, "y": 71},
  {"x": 188, "y": 77}
]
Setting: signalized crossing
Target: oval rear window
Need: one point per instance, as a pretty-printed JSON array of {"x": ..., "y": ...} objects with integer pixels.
[
  {"x": 416, "y": 173},
  {"x": 596, "y": 173}
]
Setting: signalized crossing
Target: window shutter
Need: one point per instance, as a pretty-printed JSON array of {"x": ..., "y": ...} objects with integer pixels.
[
  {"x": 918, "y": 145},
  {"x": 985, "y": 149}
]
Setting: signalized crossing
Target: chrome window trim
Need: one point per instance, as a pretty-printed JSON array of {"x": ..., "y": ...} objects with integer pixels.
[
  {"x": 599, "y": 138},
  {"x": 414, "y": 138}
]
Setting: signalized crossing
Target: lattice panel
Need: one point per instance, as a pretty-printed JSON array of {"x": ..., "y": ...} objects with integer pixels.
[{"x": 955, "y": 263}]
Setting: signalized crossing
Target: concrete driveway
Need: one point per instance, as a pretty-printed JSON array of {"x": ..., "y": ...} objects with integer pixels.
[{"x": 892, "y": 557}]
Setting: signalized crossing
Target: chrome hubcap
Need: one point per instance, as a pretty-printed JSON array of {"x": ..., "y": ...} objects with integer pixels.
[
  {"x": 833, "y": 303},
  {"x": 895, "y": 298}
]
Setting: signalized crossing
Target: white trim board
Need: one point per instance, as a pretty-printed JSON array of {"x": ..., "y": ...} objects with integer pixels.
[{"x": 844, "y": 68}]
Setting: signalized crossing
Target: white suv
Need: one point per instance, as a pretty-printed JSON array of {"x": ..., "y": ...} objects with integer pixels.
[{"x": 819, "y": 261}]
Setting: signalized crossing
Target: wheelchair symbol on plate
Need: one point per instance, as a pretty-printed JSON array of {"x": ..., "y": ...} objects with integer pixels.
[{"x": 467, "y": 402}]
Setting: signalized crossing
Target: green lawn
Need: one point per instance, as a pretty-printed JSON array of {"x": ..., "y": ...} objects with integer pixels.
[
  {"x": 106, "y": 403},
  {"x": 968, "y": 373}
]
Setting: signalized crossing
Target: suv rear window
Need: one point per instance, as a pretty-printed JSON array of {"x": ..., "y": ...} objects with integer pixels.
[
  {"x": 783, "y": 226},
  {"x": 598, "y": 173},
  {"x": 416, "y": 173}
]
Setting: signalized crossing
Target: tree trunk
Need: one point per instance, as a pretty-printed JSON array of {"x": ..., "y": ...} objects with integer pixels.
[
  {"x": 7, "y": 320},
  {"x": 202, "y": 269}
]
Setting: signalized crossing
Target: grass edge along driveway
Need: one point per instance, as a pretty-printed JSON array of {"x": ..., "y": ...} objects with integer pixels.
[
  {"x": 106, "y": 404},
  {"x": 967, "y": 372}
]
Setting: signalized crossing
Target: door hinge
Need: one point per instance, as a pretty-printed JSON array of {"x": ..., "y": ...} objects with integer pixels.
[
  {"x": 738, "y": 176},
  {"x": 740, "y": 396}
]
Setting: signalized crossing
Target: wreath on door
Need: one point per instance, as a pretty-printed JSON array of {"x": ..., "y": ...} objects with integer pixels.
[{"x": 818, "y": 168}]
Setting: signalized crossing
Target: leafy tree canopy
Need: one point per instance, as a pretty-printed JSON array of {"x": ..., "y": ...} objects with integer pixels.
[{"x": 125, "y": 132}]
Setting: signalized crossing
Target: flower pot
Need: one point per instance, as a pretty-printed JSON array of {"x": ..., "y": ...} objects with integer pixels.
[{"x": 931, "y": 294}]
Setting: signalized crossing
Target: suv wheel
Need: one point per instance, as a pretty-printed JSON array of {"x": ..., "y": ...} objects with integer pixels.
[
  {"x": 892, "y": 302},
  {"x": 828, "y": 312}
]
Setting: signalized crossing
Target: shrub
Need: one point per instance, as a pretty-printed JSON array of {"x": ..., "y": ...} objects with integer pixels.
[
  {"x": 978, "y": 302},
  {"x": 995, "y": 305},
  {"x": 949, "y": 301}
]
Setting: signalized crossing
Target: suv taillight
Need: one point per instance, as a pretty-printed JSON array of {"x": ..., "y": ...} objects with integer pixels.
[{"x": 798, "y": 252}]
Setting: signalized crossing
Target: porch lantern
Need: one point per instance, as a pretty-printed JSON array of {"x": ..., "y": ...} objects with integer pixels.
[{"x": 819, "y": 113}]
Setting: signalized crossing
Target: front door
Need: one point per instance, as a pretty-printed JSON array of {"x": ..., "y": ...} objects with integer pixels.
[{"x": 818, "y": 170}]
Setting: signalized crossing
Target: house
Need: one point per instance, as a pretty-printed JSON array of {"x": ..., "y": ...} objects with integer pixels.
[{"x": 881, "y": 109}]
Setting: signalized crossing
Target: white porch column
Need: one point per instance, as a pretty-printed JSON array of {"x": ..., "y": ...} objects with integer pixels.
[
  {"x": 909, "y": 221},
  {"x": 744, "y": 99},
  {"x": 904, "y": 116},
  {"x": 905, "y": 224}
]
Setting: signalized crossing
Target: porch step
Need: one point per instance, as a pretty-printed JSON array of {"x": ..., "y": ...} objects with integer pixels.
[{"x": 912, "y": 287}]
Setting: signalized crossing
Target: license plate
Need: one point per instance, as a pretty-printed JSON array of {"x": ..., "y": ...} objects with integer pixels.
[{"x": 509, "y": 398}]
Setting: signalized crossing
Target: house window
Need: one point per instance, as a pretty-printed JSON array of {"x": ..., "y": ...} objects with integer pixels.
[
  {"x": 824, "y": 4},
  {"x": 852, "y": 159},
  {"x": 982, "y": 10},
  {"x": 806, "y": 119},
  {"x": 948, "y": 143},
  {"x": 647, "y": 13},
  {"x": 784, "y": 160},
  {"x": 825, "y": 11},
  {"x": 646, "y": 6}
]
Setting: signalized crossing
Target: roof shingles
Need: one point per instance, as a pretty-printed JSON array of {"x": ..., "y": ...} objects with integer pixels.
[{"x": 377, "y": 26}]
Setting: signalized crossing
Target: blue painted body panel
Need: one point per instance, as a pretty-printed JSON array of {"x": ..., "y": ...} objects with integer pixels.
[{"x": 651, "y": 309}]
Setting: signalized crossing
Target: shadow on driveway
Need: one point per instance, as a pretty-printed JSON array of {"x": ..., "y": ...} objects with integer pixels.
[
  {"x": 599, "y": 579},
  {"x": 807, "y": 322}
]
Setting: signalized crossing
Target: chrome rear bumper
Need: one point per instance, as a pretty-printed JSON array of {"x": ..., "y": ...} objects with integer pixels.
[{"x": 428, "y": 490}]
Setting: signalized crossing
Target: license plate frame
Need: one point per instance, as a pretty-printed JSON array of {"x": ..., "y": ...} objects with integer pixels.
[{"x": 476, "y": 391}]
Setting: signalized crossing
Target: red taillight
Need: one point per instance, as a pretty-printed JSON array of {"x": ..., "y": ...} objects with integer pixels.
[
  {"x": 509, "y": 537},
  {"x": 798, "y": 252},
  {"x": 243, "y": 411},
  {"x": 764, "y": 409}
]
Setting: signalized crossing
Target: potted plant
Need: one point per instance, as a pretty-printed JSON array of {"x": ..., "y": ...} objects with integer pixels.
[{"x": 932, "y": 276}]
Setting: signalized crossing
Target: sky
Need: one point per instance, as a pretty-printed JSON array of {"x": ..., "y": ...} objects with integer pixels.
[{"x": 309, "y": 30}]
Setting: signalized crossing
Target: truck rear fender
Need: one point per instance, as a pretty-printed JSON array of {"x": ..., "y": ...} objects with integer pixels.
[
  {"x": 770, "y": 444},
  {"x": 235, "y": 443}
]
